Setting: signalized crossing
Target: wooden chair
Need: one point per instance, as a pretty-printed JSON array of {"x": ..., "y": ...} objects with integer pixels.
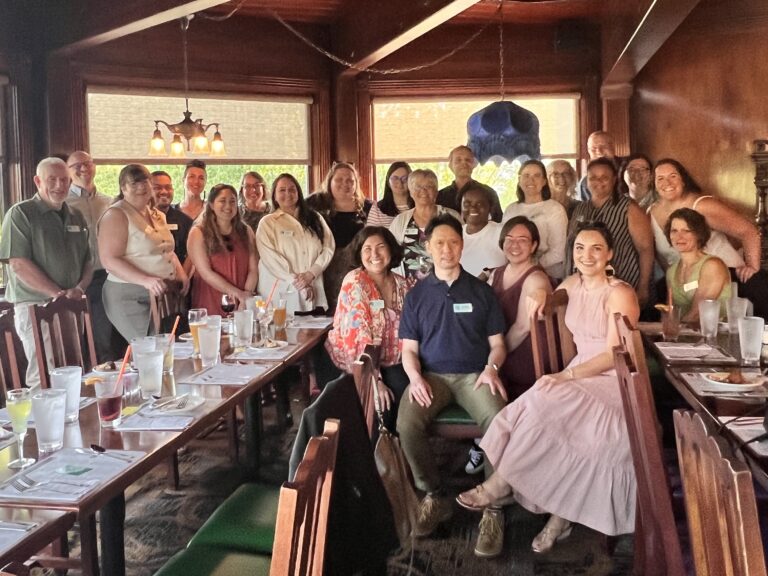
[
  {"x": 171, "y": 303},
  {"x": 364, "y": 371},
  {"x": 68, "y": 322},
  {"x": 719, "y": 501},
  {"x": 632, "y": 341},
  {"x": 657, "y": 545},
  {"x": 551, "y": 341},
  {"x": 10, "y": 377}
]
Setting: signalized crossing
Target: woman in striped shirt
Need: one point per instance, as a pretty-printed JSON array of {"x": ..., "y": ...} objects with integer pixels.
[{"x": 395, "y": 199}]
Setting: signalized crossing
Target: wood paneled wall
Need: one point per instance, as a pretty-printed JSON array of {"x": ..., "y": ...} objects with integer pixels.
[{"x": 703, "y": 98}]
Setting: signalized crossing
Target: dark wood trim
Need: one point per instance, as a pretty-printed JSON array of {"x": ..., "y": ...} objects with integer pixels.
[
  {"x": 460, "y": 87},
  {"x": 21, "y": 139},
  {"x": 366, "y": 167}
]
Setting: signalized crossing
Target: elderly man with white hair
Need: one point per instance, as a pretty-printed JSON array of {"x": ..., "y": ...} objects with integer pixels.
[{"x": 45, "y": 244}]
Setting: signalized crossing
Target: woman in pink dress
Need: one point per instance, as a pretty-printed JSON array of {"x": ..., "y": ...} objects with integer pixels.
[
  {"x": 223, "y": 251},
  {"x": 562, "y": 447}
]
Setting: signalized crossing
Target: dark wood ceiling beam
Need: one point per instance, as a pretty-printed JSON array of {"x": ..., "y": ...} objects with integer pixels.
[
  {"x": 634, "y": 32},
  {"x": 372, "y": 30},
  {"x": 88, "y": 23}
]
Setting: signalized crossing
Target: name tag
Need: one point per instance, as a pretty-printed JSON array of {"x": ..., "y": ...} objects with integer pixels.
[
  {"x": 377, "y": 305},
  {"x": 74, "y": 228},
  {"x": 462, "y": 308},
  {"x": 411, "y": 231},
  {"x": 691, "y": 286},
  {"x": 173, "y": 227},
  {"x": 286, "y": 232}
]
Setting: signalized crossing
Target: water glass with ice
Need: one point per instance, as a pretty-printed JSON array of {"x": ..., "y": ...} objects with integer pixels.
[
  {"x": 150, "y": 366},
  {"x": 109, "y": 400},
  {"x": 210, "y": 340},
  {"x": 68, "y": 378},
  {"x": 736, "y": 308},
  {"x": 48, "y": 409},
  {"x": 751, "y": 338},
  {"x": 165, "y": 343},
  {"x": 243, "y": 327},
  {"x": 709, "y": 317}
]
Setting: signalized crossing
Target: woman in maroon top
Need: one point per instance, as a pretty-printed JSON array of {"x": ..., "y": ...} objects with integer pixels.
[
  {"x": 223, "y": 251},
  {"x": 513, "y": 284}
]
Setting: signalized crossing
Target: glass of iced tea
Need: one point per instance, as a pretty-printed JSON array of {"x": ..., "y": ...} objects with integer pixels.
[{"x": 197, "y": 318}]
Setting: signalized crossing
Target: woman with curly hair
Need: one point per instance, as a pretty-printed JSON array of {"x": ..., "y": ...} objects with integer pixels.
[{"x": 223, "y": 251}]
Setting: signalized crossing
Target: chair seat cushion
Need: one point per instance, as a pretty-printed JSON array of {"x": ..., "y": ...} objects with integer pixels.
[
  {"x": 205, "y": 561},
  {"x": 244, "y": 522},
  {"x": 454, "y": 414}
]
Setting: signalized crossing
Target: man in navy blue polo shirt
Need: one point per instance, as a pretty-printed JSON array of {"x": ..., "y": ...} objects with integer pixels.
[{"x": 452, "y": 330}]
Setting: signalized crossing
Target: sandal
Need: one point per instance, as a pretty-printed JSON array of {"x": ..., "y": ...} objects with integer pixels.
[
  {"x": 545, "y": 540},
  {"x": 477, "y": 493}
]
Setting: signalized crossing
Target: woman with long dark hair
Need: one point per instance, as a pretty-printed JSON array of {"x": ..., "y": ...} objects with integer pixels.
[
  {"x": 295, "y": 246},
  {"x": 223, "y": 251},
  {"x": 395, "y": 198}
]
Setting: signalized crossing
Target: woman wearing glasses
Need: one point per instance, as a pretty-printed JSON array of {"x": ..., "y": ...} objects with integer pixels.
[
  {"x": 223, "y": 251},
  {"x": 252, "y": 199},
  {"x": 395, "y": 198},
  {"x": 636, "y": 179}
]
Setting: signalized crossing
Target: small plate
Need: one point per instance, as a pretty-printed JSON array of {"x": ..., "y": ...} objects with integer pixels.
[
  {"x": 186, "y": 337},
  {"x": 274, "y": 345},
  {"x": 171, "y": 409},
  {"x": 752, "y": 381}
]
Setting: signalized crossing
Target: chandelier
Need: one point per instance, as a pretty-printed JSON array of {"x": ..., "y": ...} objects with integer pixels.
[{"x": 193, "y": 131}]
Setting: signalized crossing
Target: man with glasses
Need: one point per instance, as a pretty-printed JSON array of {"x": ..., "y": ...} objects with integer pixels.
[
  {"x": 178, "y": 223},
  {"x": 45, "y": 244},
  {"x": 462, "y": 162},
  {"x": 91, "y": 203}
]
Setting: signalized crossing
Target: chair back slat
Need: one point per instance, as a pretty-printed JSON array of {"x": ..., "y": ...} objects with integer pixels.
[
  {"x": 632, "y": 341},
  {"x": 657, "y": 548},
  {"x": 551, "y": 340},
  {"x": 10, "y": 376},
  {"x": 302, "y": 515},
  {"x": 719, "y": 501},
  {"x": 68, "y": 324},
  {"x": 364, "y": 370},
  {"x": 170, "y": 303}
]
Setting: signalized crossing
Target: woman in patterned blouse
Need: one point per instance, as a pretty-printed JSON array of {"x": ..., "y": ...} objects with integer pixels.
[{"x": 368, "y": 312}]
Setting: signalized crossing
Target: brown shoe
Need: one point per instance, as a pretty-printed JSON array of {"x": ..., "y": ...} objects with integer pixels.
[
  {"x": 490, "y": 542},
  {"x": 433, "y": 510}
]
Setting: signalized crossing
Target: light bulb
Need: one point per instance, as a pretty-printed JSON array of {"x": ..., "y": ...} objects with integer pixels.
[
  {"x": 177, "y": 147},
  {"x": 157, "y": 144}
]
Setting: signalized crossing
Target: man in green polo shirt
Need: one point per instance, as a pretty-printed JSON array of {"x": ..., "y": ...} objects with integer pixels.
[{"x": 45, "y": 245}]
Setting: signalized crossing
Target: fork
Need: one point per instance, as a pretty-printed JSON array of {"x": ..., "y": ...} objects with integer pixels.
[
  {"x": 182, "y": 403},
  {"x": 23, "y": 483}
]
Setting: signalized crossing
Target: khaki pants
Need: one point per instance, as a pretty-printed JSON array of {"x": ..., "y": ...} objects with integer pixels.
[
  {"x": 23, "y": 323},
  {"x": 413, "y": 421}
]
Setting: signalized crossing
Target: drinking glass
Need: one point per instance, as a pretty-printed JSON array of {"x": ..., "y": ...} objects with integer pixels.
[
  {"x": 196, "y": 319},
  {"x": 109, "y": 400},
  {"x": 670, "y": 323},
  {"x": 150, "y": 366},
  {"x": 48, "y": 408},
  {"x": 210, "y": 340},
  {"x": 68, "y": 378},
  {"x": 736, "y": 308},
  {"x": 165, "y": 343},
  {"x": 141, "y": 345},
  {"x": 751, "y": 338},
  {"x": 709, "y": 317},
  {"x": 280, "y": 313},
  {"x": 227, "y": 304},
  {"x": 19, "y": 405},
  {"x": 243, "y": 327}
]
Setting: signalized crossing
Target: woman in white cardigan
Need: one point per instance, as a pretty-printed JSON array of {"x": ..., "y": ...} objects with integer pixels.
[{"x": 295, "y": 246}]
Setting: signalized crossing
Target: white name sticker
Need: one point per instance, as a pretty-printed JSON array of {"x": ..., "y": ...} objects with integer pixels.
[
  {"x": 286, "y": 232},
  {"x": 73, "y": 228},
  {"x": 691, "y": 286},
  {"x": 411, "y": 231},
  {"x": 173, "y": 226},
  {"x": 377, "y": 305},
  {"x": 462, "y": 308}
]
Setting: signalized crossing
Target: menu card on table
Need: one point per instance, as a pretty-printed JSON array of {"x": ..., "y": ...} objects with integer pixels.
[
  {"x": 746, "y": 428},
  {"x": 67, "y": 475},
  {"x": 226, "y": 375},
  {"x": 258, "y": 354},
  {"x": 689, "y": 353},
  {"x": 654, "y": 329},
  {"x": 318, "y": 322},
  {"x": 11, "y": 533},
  {"x": 168, "y": 417},
  {"x": 704, "y": 387}
]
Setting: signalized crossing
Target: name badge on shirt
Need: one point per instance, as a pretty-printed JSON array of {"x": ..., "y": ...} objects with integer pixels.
[
  {"x": 462, "y": 308},
  {"x": 173, "y": 226},
  {"x": 286, "y": 232},
  {"x": 411, "y": 231},
  {"x": 73, "y": 228},
  {"x": 691, "y": 286},
  {"x": 377, "y": 305}
]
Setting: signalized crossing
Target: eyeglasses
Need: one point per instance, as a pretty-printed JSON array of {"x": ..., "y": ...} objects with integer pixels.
[
  {"x": 403, "y": 179},
  {"x": 517, "y": 240},
  {"x": 80, "y": 165},
  {"x": 254, "y": 187}
]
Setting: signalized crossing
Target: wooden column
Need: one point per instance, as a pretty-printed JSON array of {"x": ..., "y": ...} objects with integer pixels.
[
  {"x": 615, "y": 100},
  {"x": 760, "y": 158}
]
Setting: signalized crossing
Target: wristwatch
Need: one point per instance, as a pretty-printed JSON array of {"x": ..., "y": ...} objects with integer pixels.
[{"x": 494, "y": 366}]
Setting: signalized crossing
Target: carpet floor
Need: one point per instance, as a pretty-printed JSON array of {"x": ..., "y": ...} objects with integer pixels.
[{"x": 160, "y": 521}]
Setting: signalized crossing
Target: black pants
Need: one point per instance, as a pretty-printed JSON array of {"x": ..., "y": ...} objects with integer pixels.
[{"x": 756, "y": 290}]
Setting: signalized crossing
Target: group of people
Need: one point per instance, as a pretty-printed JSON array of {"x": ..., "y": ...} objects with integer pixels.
[{"x": 444, "y": 280}]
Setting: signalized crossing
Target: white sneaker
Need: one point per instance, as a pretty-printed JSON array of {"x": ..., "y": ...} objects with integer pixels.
[{"x": 476, "y": 460}]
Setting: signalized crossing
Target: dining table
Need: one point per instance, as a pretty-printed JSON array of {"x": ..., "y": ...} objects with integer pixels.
[
  {"x": 714, "y": 380},
  {"x": 116, "y": 458}
]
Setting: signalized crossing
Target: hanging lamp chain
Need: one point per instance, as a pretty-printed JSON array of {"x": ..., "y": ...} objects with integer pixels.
[
  {"x": 501, "y": 49},
  {"x": 184, "y": 28}
]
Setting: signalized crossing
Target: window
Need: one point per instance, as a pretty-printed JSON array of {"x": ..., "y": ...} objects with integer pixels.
[
  {"x": 270, "y": 136},
  {"x": 422, "y": 131}
]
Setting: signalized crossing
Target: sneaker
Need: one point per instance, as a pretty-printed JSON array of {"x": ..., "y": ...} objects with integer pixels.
[
  {"x": 491, "y": 539},
  {"x": 476, "y": 460},
  {"x": 433, "y": 509}
]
